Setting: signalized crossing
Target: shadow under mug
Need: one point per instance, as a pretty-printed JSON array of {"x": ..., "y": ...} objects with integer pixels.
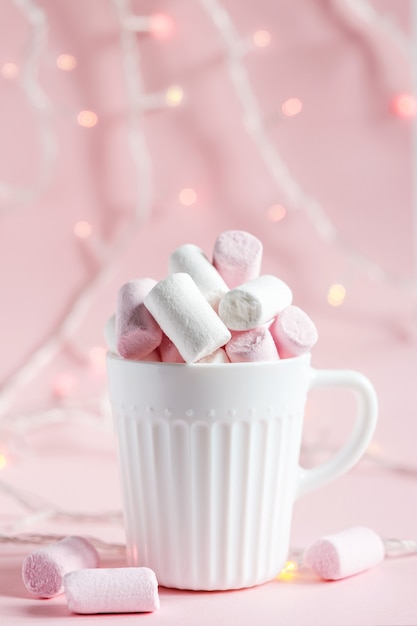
[{"x": 209, "y": 459}]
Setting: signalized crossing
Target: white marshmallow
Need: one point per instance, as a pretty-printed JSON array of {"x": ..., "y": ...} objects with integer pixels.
[
  {"x": 186, "y": 317},
  {"x": 219, "y": 356},
  {"x": 110, "y": 334},
  {"x": 254, "y": 303},
  {"x": 192, "y": 260}
]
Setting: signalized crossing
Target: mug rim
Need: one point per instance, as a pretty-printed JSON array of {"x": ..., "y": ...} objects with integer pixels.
[{"x": 111, "y": 356}]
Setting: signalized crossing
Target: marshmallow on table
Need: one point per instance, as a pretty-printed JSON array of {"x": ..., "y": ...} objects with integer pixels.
[
  {"x": 254, "y": 303},
  {"x": 252, "y": 345},
  {"x": 43, "y": 571},
  {"x": 112, "y": 590},
  {"x": 192, "y": 260},
  {"x": 186, "y": 317},
  {"x": 294, "y": 332},
  {"x": 137, "y": 333},
  {"x": 346, "y": 553},
  {"x": 237, "y": 256}
]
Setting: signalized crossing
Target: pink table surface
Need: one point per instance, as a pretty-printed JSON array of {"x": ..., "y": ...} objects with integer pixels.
[{"x": 346, "y": 149}]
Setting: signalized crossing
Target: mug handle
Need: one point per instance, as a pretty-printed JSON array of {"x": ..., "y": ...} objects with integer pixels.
[{"x": 350, "y": 453}]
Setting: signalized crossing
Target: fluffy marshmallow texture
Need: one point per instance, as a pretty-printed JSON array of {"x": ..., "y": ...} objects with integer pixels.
[
  {"x": 252, "y": 345},
  {"x": 294, "y": 332},
  {"x": 192, "y": 260},
  {"x": 186, "y": 317},
  {"x": 43, "y": 571},
  {"x": 137, "y": 333},
  {"x": 237, "y": 256},
  {"x": 254, "y": 303},
  {"x": 112, "y": 590},
  {"x": 346, "y": 553}
]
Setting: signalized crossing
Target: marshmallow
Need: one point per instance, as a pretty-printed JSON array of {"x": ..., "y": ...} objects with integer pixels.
[
  {"x": 110, "y": 334},
  {"x": 186, "y": 317},
  {"x": 254, "y": 303},
  {"x": 112, "y": 590},
  {"x": 169, "y": 352},
  {"x": 192, "y": 260},
  {"x": 219, "y": 356},
  {"x": 252, "y": 345},
  {"x": 346, "y": 553},
  {"x": 294, "y": 332},
  {"x": 137, "y": 333},
  {"x": 43, "y": 571},
  {"x": 237, "y": 256}
]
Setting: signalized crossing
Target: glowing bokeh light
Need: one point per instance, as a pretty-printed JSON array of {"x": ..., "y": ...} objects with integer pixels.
[
  {"x": 336, "y": 295},
  {"x": 3, "y": 461},
  {"x": 9, "y": 70},
  {"x": 288, "y": 571},
  {"x": 292, "y": 106},
  {"x": 88, "y": 119},
  {"x": 174, "y": 95},
  {"x": 276, "y": 213},
  {"x": 161, "y": 26},
  {"x": 405, "y": 105},
  {"x": 188, "y": 197},
  {"x": 63, "y": 385},
  {"x": 66, "y": 62},
  {"x": 82, "y": 229},
  {"x": 262, "y": 38}
]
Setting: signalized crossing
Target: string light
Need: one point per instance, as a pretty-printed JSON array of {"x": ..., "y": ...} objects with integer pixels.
[
  {"x": 9, "y": 71},
  {"x": 336, "y": 295},
  {"x": 262, "y": 38},
  {"x": 66, "y": 62},
  {"x": 187, "y": 197},
  {"x": 291, "y": 107},
  {"x": 3, "y": 461},
  {"x": 405, "y": 105},
  {"x": 63, "y": 385},
  {"x": 161, "y": 26},
  {"x": 276, "y": 212},
  {"x": 88, "y": 119},
  {"x": 82, "y": 229},
  {"x": 174, "y": 95}
]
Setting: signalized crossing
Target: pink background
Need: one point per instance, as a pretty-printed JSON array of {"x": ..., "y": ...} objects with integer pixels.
[{"x": 346, "y": 150}]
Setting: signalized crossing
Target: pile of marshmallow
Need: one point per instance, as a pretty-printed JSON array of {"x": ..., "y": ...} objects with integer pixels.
[{"x": 219, "y": 311}]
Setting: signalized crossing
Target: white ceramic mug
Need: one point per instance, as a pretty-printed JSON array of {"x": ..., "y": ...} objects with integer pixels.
[{"x": 209, "y": 463}]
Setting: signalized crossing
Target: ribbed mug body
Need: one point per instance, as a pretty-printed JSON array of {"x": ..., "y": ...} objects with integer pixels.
[{"x": 209, "y": 467}]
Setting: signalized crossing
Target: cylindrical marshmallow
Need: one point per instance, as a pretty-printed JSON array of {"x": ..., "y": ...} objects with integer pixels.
[
  {"x": 186, "y": 317},
  {"x": 110, "y": 334},
  {"x": 346, "y": 553},
  {"x": 112, "y": 590},
  {"x": 294, "y": 332},
  {"x": 192, "y": 260},
  {"x": 237, "y": 256},
  {"x": 137, "y": 333},
  {"x": 43, "y": 571},
  {"x": 219, "y": 356},
  {"x": 254, "y": 303},
  {"x": 169, "y": 352},
  {"x": 252, "y": 345}
]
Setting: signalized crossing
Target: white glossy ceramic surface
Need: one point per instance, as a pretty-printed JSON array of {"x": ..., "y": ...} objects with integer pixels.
[{"x": 209, "y": 463}]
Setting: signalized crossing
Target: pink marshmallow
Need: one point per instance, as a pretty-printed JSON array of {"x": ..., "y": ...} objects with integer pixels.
[
  {"x": 237, "y": 256},
  {"x": 137, "y": 333},
  {"x": 346, "y": 553},
  {"x": 294, "y": 332},
  {"x": 169, "y": 351},
  {"x": 112, "y": 590},
  {"x": 43, "y": 571},
  {"x": 252, "y": 345}
]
